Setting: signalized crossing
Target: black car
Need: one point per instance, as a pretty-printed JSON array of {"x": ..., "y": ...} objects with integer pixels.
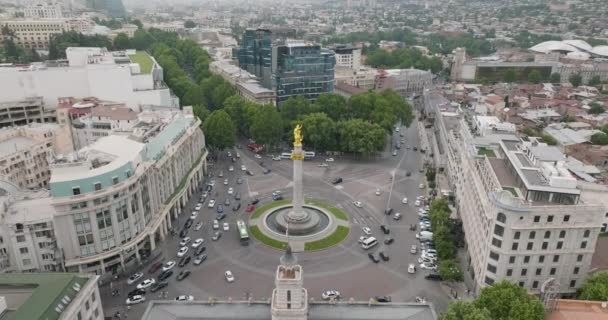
[
  {"x": 385, "y": 229},
  {"x": 183, "y": 275},
  {"x": 159, "y": 285},
  {"x": 136, "y": 292},
  {"x": 200, "y": 250},
  {"x": 188, "y": 224},
  {"x": 233, "y": 159},
  {"x": 337, "y": 180},
  {"x": 373, "y": 257},
  {"x": 414, "y": 148},
  {"x": 236, "y": 207},
  {"x": 165, "y": 275},
  {"x": 407, "y": 174},
  {"x": 433, "y": 276},
  {"x": 388, "y": 241},
  {"x": 220, "y": 208},
  {"x": 277, "y": 197},
  {"x": 398, "y": 146},
  {"x": 249, "y": 173},
  {"x": 383, "y": 298},
  {"x": 227, "y": 202},
  {"x": 388, "y": 211},
  {"x": 209, "y": 188},
  {"x": 184, "y": 261},
  {"x": 237, "y": 196},
  {"x": 183, "y": 233},
  {"x": 220, "y": 216},
  {"x": 255, "y": 201},
  {"x": 383, "y": 256}
]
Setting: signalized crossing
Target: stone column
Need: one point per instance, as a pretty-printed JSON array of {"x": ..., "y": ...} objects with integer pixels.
[
  {"x": 152, "y": 241},
  {"x": 297, "y": 214}
]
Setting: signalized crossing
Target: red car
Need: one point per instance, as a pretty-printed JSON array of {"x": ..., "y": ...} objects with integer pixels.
[
  {"x": 250, "y": 208},
  {"x": 155, "y": 267}
]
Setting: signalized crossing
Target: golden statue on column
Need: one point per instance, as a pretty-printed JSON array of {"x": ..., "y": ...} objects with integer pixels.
[{"x": 297, "y": 136}]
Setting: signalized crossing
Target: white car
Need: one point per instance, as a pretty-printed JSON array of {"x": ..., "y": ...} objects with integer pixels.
[
  {"x": 413, "y": 249},
  {"x": 135, "y": 299},
  {"x": 417, "y": 203},
  {"x": 378, "y": 192},
  {"x": 211, "y": 183},
  {"x": 362, "y": 239},
  {"x": 182, "y": 252},
  {"x": 421, "y": 186},
  {"x": 184, "y": 298},
  {"x": 211, "y": 203},
  {"x": 198, "y": 207},
  {"x": 184, "y": 241},
  {"x": 226, "y": 226},
  {"x": 230, "y": 190},
  {"x": 411, "y": 268},
  {"x": 146, "y": 284},
  {"x": 231, "y": 168},
  {"x": 358, "y": 204},
  {"x": 229, "y": 276},
  {"x": 323, "y": 165},
  {"x": 169, "y": 265},
  {"x": 136, "y": 276},
  {"x": 329, "y": 160},
  {"x": 216, "y": 224},
  {"x": 238, "y": 155},
  {"x": 430, "y": 251},
  {"x": 198, "y": 226},
  {"x": 277, "y": 158},
  {"x": 243, "y": 168},
  {"x": 404, "y": 201},
  {"x": 194, "y": 215},
  {"x": 428, "y": 266},
  {"x": 367, "y": 231},
  {"x": 422, "y": 260},
  {"x": 330, "y": 294},
  {"x": 225, "y": 182},
  {"x": 397, "y": 216},
  {"x": 197, "y": 243},
  {"x": 257, "y": 156}
]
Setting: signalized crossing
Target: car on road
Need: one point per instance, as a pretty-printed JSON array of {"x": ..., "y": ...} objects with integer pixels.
[
  {"x": 135, "y": 300},
  {"x": 331, "y": 294},
  {"x": 220, "y": 208},
  {"x": 373, "y": 257},
  {"x": 413, "y": 249},
  {"x": 388, "y": 211},
  {"x": 255, "y": 201},
  {"x": 237, "y": 196},
  {"x": 133, "y": 278},
  {"x": 243, "y": 168},
  {"x": 230, "y": 190},
  {"x": 367, "y": 231},
  {"x": 250, "y": 208},
  {"x": 383, "y": 255},
  {"x": 225, "y": 182},
  {"x": 220, "y": 216},
  {"x": 404, "y": 201},
  {"x": 277, "y": 197},
  {"x": 229, "y": 276},
  {"x": 183, "y": 275},
  {"x": 407, "y": 173},
  {"x": 385, "y": 229},
  {"x": 182, "y": 252},
  {"x": 197, "y": 242},
  {"x": 383, "y": 299},
  {"x": 239, "y": 181},
  {"x": 188, "y": 224},
  {"x": 159, "y": 285},
  {"x": 198, "y": 225},
  {"x": 199, "y": 259},
  {"x": 227, "y": 202},
  {"x": 183, "y": 233},
  {"x": 157, "y": 265},
  {"x": 165, "y": 275},
  {"x": 394, "y": 153},
  {"x": 249, "y": 173},
  {"x": 388, "y": 241},
  {"x": 221, "y": 174},
  {"x": 433, "y": 276},
  {"x": 136, "y": 292},
  {"x": 378, "y": 192},
  {"x": 184, "y": 261},
  {"x": 231, "y": 168},
  {"x": 397, "y": 216},
  {"x": 257, "y": 156},
  {"x": 226, "y": 226},
  {"x": 396, "y": 129},
  {"x": 198, "y": 206},
  {"x": 362, "y": 239},
  {"x": 199, "y": 250},
  {"x": 421, "y": 186},
  {"x": 184, "y": 298},
  {"x": 276, "y": 158},
  {"x": 414, "y": 148},
  {"x": 329, "y": 160},
  {"x": 146, "y": 283},
  {"x": 184, "y": 241},
  {"x": 168, "y": 265},
  {"x": 236, "y": 207},
  {"x": 336, "y": 180},
  {"x": 358, "y": 204},
  {"x": 229, "y": 154},
  {"x": 428, "y": 266},
  {"x": 323, "y": 165},
  {"x": 216, "y": 236},
  {"x": 211, "y": 203},
  {"x": 266, "y": 171},
  {"x": 411, "y": 268},
  {"x": 211, "y": 183},
  {"x": 216, "y": 224}
]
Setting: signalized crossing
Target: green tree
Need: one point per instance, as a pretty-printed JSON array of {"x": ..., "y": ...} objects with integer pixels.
[
  {"x": 450, "y": 271},
  {"x": 319, "y": 131},
  {"x": 548, "y": 139},
  {"x": 575, "y": 79},
  {"x": 599, "y": 138},
  {"x": 555, "y": 78},
  {"x": 295, "y": 107},
  {"x": 505, "y": 301},
  {"x": 534, "y": 76},
  {"x": 510, "y": 76},
  {"x": 122, "y": 42},
  {"x": 142, "y": 40},
  {"x": 235, "y": 106},
  {"x": 362, "y": 105},
  {"x": 267, "y": 126},
  {"x": 461, "y": 310},
  {"x": 201, "y": 112},
  {"x": 138, "y": 23},
  {"x": 400, "y": 107},
  {"x": 360, "y": 137},
  {"x": 194, "y": 95},
  {"x": 221, "y": 93},
  {"x": 530, "y": 132},
  {"x": 189, "y": 24},
  {"x": 334, "y": 105},
  {"x": 220, "y": 132},
  {"x": 595, "y": 288},
  {"x": 596, "y": 108},
  {"x": 595, "y": 80}
]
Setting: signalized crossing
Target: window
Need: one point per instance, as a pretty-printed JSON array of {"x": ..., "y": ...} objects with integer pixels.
[
  {"x": 491, "y": 268},
  {"x": 556, "y": 258},
  {"x": 534, "y": 284},
  {"x": 530, "y": 246},
  {"x": 541, "y": 259},
  {"x": 526, "y": 259},
  {"x": 586, "y": 234},
  {"x": 494, "y": 255},
  {"x": 93, "y": 297},
  {"x": 562, "y": 234},
  {"x": 96, "y": 312},
  {"x": 514, "y": 246},
  {"x": 552, "y": 271},
  {"x": 517, "y": 234},
  {"x": 545, "y": 245},
  {"x": 499, "y": 230},
  {"x": 572, "y": 283},
  {"x": 583, "y": 244},
  {"x": 86, "y": 305},
  {"x": 489, "y": 280},
  {"x": 509, "y": 272},
  {"x": 532, "y": 234},
  {"x": 27, "y": 262},
  {"x": 114, "y": 180},
  {"x": 496, "y": 242},
  {"x": 501, "y": 217},
  {"x": 521, "y": 283},
  {"x": 539, "y": 271},
  {"x": 550, "y": 219},
  {"x": 97, "y": 186},
  {"x": 536, "y": 218},
  {"x": 566, "y": 218},
  {"x": 579, "y": 258},
  {"x": 23, "y": 250},
  {"x": 576, "y": 270},
  {"x": 547, "y": 234},
  {"x": 21, "y": 238},
  {"x": 76, "y": 191},
  {"x": 524, "y": 272},
  {"x": 512, "y": 259},
  {"x": 560, "y": 244}
]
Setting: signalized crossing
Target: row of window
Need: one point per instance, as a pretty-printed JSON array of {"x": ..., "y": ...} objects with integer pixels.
[
  {"x": 502, "y": 218},
  {"x": 535, "y": 283},
  {"x": 541, "y": 258},
  {"x": 524, "y": 271}
]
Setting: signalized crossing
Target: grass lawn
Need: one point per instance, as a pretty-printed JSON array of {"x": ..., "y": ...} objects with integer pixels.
[
  {"x": 255, "y": 231},
  {"x": 335, "y": 211},
  {"x": 258, "y": 212},
  {"x": 486, "y": 152},
  {"x": 340, "y": 234},
  {"x": 144, "y": 61}
]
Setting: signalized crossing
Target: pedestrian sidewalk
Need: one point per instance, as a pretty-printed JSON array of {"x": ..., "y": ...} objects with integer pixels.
[{"x": 457, "y": 291}]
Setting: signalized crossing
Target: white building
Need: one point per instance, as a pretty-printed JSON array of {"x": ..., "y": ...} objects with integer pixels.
[
  {"x": 246, "y": 84},
  {"x": 522, "y": 212},
  {"x": 406, "y": 82},
  {"x": 34, "y": 33},
  {"x": 131, "y": 77},
  {"x": 347, "y": 56},
  {"x": 50, "y": 10}
]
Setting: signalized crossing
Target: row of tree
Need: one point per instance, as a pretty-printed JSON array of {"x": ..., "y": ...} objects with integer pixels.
[
  {"x": 444, "y": 239},
  {"x": 403, "y": 59},
  {"x": 547, "y": 138}
]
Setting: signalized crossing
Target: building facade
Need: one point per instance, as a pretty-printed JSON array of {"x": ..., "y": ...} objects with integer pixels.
[
  {"x": 35, "y": 33},
  {"x": 347, "y": 56},
  {"x": 245, "y": 83},
  {"x": 406, "y": 82},
  {"x": 43, "y": 11},
  {"x": 26, "y": 111}
]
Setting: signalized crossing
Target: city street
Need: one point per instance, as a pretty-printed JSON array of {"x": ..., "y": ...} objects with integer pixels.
[{"x": 345, "y": 267}]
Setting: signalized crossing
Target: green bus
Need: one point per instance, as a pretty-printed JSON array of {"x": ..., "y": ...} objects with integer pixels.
[{"x": 243, "y": 234}]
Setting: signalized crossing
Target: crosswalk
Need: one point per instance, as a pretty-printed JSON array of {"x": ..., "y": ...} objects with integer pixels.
[{"x": 358, "y": 216}]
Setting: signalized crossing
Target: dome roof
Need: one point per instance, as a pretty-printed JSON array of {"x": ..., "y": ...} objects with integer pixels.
[
  {"x": 600, "y": 51},
  {"x": 578, "y": 55},
  {"x": 550, "y": 46},
  {"x": 579, "y": 44}
]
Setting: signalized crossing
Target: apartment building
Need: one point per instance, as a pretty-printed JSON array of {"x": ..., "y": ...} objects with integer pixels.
[
  {"x": 25, "y": 152},
  {"x": 51, "y": 10},
  {"x": 406, "y": 82},
  {"x": 522, "y": 212},
  {"x": 347, "y": 56},
  {"x": 102, "y": 121},
  {"x": 117, "y": 196},
  {"x": 35, "y": 33},
  {"x": 245, "y": 83},
  {"x": 22, "y": 112}
]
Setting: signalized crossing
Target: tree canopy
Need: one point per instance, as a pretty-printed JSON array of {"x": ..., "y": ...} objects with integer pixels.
[
  {"x": 575, "y": 79},
  {"x": 404, "y": 59},
  {"x": 599, "y": 138},
  {"x": 595, "y": 288},
  {"x": 220, "y": 132}
]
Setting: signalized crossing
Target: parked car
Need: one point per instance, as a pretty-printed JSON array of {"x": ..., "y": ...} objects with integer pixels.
[
  {"x": 383, "y": 255},
  {"x": 182, "y": 252},
  {"x": 336, "y": 180},
  {"x": 198, "y": 225},
  {"x": 146, "y": 283},
  {"x": 198, "y": 206},
  {"x": 136, "y": 292},
  {"x": 199, "y": 250},
  {"x": 169, "y": 265},
  {"x": 428, "y": 266},
  {"x": 331, "y": 294},
  {"x": 373, "y": 257},
  {"x": 388, "y": 211},
  {"x": 229, "y": 276},
  {"x": 378, "y": 192},
  {"x": 159, "y": 285},
  {"x": 183, "y": 275},
  {"x": 249, "y": 173},
  {"x": 250, "y": 208},
  {"x": 200, "y": 259},
  {"x": 397, "y": 216},
  {"x": 135, "y": 300},
  {"x": 183, "y": 233},
  {"x": 220, "y": 208},
  {"x": 133, "y": 278},
  {"x": 185, "y": 241},
  {"x": 362, "y": 239},
  {"x": 383, "y": 299},
  {"x": 184, "y": 261},
  {"x": 188, "y": 224},
  {"x": 367, "y": 231},
  {"x": 239, "y": 181},
  {"x": 266, "y": 171},
  {"x": 385, "y": 229},
  {"x": 413, "y": 249},
  {"x": 404, "y": 200},
  {"x": 216, "y": 236},
  {"x": 236, "y": 207},
  {"x": 184, "y": 298},
  {"x": 433, "y": 276},
  {"x": 389, "y": 241},
  {"x": 255, "y": 201},
  {"x": 394, "y": 153},
  {"x": 165, "y": 275}
]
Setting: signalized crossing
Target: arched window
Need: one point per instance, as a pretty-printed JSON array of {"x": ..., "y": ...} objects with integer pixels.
[{"x": 501, "y": 217}]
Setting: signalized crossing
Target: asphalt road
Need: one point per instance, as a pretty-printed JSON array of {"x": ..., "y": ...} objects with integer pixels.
[{"x": 345, "y": 267}]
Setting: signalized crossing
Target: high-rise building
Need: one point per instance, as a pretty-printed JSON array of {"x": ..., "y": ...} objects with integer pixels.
[{"x": 113, "y": 8}]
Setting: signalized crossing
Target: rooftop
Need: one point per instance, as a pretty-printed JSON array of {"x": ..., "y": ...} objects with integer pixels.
[
  {"x": 143, "y": 59},
  {"x": 577, "y": 309},
  {"x": 14, "y": 145},
  {"x": 37, "y": 295},
  {"x": 114, "y": 112}
]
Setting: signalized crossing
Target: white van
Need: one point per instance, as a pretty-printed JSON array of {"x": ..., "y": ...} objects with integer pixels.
[
  {"x": 424, "y": 235},
  {"x": 309, "y": 155},
  {"x": 369, "y": 242},
  {"x": 286, "y": 155}
]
